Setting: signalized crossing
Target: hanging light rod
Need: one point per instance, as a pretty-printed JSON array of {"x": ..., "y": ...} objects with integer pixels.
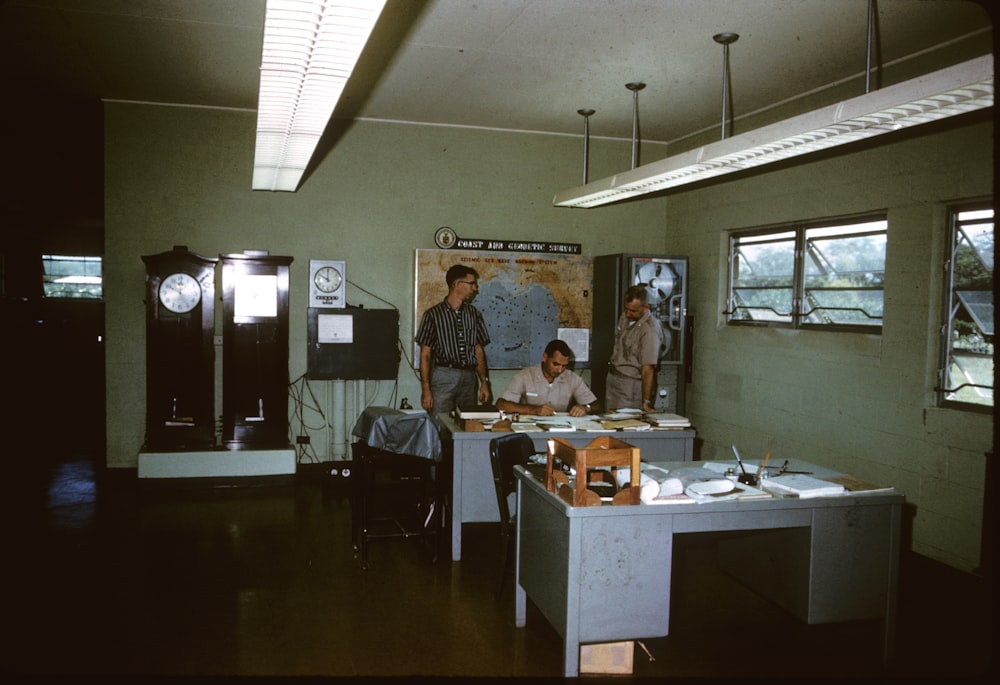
[
  {"x": 586, "y": 113},
  {"x": 725, "y": 39},
  {"x": 956, "y": 90}
]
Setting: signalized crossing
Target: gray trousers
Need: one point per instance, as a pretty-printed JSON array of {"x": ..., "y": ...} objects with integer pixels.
[{"x": 452, "y": 386}]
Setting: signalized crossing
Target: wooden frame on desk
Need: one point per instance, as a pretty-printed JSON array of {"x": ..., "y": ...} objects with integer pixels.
[{"x": 605, "y": 451}]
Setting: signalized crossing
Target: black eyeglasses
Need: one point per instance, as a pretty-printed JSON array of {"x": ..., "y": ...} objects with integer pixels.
[{"x": 470, "y": 282}]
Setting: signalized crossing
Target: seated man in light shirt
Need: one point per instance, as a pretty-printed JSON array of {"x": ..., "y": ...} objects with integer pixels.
[{"x": 549, "y": 387}]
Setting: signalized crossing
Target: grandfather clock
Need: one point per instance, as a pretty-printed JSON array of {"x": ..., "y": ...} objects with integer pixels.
[
  {"x": 180, "y": 356},
  {"x": 255, "y": 350}
]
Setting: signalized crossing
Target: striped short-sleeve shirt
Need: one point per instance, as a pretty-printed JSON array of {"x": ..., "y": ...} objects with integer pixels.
[{"x": 453, "y": 334}]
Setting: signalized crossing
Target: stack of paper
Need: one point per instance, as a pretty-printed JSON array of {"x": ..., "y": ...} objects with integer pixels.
[
  {"x": 667, "y": 420},
  {"x": 627, "y": 425},
  {"x": 678, "y": 498},
  {"x": 746, "y": 492},
  {"x": 478, "y": 411},
  {"x": 854, "y": 484},
  {"x": 801, "y": 485},
  {"x": 587, "y": 424},
  {"x": 524, "y": 427},
  {"x": 553, "y": 424}
]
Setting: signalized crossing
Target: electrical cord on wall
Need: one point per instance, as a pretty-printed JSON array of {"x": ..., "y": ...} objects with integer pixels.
[{"x": 297, "y": 390}]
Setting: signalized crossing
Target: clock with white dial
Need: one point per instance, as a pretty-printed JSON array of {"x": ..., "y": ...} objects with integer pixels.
[
  {"x": 180, "y": 292},
  {"x": 327, "y": 283},
  {"x": 327, "y": 279},
  {"x": 179, "y": 296}
]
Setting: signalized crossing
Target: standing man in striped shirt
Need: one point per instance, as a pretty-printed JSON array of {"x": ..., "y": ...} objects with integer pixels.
[{"x": 452, "y": 335}]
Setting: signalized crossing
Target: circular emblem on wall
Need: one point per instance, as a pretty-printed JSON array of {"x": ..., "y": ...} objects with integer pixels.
[{"x": 445, "y": 238}]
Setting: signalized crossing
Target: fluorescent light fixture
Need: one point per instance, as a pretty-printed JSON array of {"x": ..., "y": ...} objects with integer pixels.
[
  {"x": 310, "y": 49},
  {"x": 962, "y": 88}
]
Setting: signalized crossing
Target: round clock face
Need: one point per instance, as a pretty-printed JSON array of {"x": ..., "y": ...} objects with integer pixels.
[
  {"x": 327, "y": 279},
  {"x": 180, "y": 293}
]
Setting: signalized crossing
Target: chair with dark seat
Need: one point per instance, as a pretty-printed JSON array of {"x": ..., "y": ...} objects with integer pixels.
[
  {"x": 397, "y": 493},
  {"x": 506, "y": 452},
  {"x": 395, "y": 496}
]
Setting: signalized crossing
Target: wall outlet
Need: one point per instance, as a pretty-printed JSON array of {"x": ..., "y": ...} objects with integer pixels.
[{"x": 338, "y": 484}]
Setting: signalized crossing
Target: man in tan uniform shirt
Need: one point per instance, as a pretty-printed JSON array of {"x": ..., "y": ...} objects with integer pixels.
[{"x": 632, "y": 374}]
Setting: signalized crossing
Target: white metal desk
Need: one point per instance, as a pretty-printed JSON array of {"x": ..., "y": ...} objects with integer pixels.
[
  {"x": 473, "y": 497},
  {"x": 837, "y": 559}
]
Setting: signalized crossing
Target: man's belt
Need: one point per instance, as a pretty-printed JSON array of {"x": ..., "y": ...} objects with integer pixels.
[
  {"x": 616, "y": 372},
  {"x": 450, "y": 365}
]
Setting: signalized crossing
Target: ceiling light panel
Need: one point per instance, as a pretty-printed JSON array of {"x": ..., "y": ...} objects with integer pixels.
[
  {"x": 959, "y": 89},
  {"x": 310, "y": 50}
]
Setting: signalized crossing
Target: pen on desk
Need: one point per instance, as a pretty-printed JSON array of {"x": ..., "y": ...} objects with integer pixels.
[
  {"x": 784, "y": 469},
  {"x": 763, "y": 466},
  {"x": 738, "y": 460}
]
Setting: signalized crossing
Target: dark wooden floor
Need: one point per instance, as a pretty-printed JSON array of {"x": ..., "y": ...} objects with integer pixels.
[{"x": 105, "y": 576}]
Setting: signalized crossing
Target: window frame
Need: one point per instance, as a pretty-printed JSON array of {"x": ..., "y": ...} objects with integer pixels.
[
  {"x": 72, "y": 291},
  {"x": 800, "y": 289},
  {"x": 951, "y": 305}
]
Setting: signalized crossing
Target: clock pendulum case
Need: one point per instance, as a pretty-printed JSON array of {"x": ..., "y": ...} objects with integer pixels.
[
  {"x": 180, "y": 355},
  {"x": 255, "y": 350}
]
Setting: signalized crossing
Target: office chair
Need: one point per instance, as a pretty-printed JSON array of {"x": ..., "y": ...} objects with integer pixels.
[
  {"x": 506, "y": 452},
  {"x": 395, "y": 496}
]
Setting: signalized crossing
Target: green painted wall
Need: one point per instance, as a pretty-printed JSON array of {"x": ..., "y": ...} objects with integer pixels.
[
  {"x": 181, "y": 176},
  {"x": 854, "y": 402},
  {"x": 859, "y": 403}
]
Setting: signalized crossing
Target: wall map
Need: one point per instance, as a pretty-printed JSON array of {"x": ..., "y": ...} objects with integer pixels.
[{"x": 527, "y": 299}]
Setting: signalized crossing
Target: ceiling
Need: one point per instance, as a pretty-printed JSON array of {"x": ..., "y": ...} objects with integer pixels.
[{"x": 525, "y": 65}]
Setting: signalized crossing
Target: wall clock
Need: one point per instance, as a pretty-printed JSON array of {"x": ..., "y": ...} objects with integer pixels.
[
  {"x": 255, "y": 290},
  {"x": 327, "y": 283},
  {"x": 328, "y": 279},
  {"x": 180, "y": 351},
  {"x": 180, "y": 292}
]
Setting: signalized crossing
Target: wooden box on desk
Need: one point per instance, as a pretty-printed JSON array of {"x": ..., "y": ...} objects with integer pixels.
[
  {"x": 604, "y": 451},
  {"x": 477, "y": 426}
]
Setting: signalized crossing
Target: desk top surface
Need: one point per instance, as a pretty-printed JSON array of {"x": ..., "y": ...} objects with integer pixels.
[
  {"x": 451, "y": 427},
  {"x": 714, "y": 470}
]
